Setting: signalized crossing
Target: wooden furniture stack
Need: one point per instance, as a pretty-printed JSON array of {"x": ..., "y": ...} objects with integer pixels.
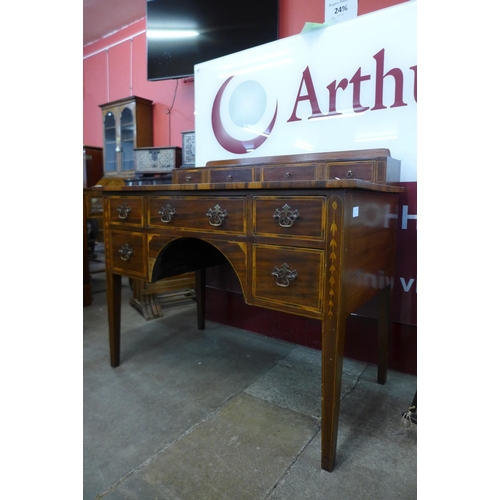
[
  {"x": 92, "y": 173},
  {"x": 305, "y": 234},
  {"x": 128, "y": 128}
]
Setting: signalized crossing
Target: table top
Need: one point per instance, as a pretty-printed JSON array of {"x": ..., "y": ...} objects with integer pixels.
[{"x": 318, "y": 184}]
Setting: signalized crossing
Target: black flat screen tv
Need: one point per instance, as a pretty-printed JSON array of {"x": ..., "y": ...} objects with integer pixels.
[{"x": 222, "y": 26}]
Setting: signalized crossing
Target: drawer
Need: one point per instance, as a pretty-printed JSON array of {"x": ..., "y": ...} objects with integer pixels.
[
  {"x": 289, "y": 276},
  {"x": 363, "y": 170},
  {"x": 301, "y": 172},
  {"x": 199, "y": 213},
  {"x": 126, "y": 210},
  {"x": 298, "y": 217},
  {"x": 187, "y": 176},
  {"x": 238, "y": 174},
  {"x": 128, "y": 253}
]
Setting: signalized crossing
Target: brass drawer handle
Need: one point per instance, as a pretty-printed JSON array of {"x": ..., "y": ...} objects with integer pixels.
[
  {"x": 286, "y": 216},
  {"x": 229, "y": 178},
  {"x": 188, "y": 178},
  {"x": 283, "y": 275},
  {"x": 287, "y": 175},
  {"x": 123, "y": 211},
  {"x": 167, "y": 213},
  {"x": 350, "y": 173},
  {"x": 125, "y": 251},
  {"x": 216, "y": 216}
]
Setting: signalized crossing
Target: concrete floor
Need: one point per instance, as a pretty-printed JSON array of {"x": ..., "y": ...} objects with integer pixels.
[{"x": 226, "y": 414}]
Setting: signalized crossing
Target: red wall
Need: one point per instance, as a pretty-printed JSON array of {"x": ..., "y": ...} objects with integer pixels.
[{"x": 115, "y": 67}]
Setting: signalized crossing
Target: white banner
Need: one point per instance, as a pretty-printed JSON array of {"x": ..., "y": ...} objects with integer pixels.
[{"x": 352, "y": 85}]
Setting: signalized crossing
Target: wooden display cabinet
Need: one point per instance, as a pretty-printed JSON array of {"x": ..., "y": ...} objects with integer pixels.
[
  {"x": 92, "y": 173},
  {"x": 92, "y": 165},
  {"x": 127, "y": 124}
]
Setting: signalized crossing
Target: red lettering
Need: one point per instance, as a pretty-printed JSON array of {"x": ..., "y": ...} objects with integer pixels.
[
  {"x": 310, "y": 96},
  {"x": 356, "y": 91},
  {"x": 332, "y": 88},
  {"x": 396, "y": 73},
  {"x": 307, "y": 86},
  {"x": 414, "y": 68}
]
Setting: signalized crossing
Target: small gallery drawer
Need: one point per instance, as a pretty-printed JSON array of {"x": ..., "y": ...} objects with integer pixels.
[
  {"x": 363, "y": 170},
  {"x": 187, "y": 175},
  {"x": 238, "y": 174},
  {"x": 298, "y": 217},
  {"x": 289, "y": 276},
  {"x": 199, "y": 213},
  {"x": 128, "y": 253},
  {"x": 304, "y": 172},
  {"x": 126, "y": 210}
]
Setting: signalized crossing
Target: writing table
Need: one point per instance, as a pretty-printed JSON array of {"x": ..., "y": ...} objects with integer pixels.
[{"x": 312, "y": 235}]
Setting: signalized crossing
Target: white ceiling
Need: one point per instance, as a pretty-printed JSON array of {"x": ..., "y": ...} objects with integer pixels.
[{"x": 102, "y": 17}]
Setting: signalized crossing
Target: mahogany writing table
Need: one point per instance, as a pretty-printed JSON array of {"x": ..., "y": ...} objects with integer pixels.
[{"x": 305, "y": 234}]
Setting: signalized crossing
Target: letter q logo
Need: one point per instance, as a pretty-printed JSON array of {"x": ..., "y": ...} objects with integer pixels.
[{"x": 247, "y": 105}]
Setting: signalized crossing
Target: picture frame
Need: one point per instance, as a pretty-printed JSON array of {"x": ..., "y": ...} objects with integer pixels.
[{"x": 188, "y": 149}]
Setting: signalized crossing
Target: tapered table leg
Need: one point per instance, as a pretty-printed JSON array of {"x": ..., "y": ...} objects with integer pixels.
[
  {"x": 201, "y": 275},
  {"x": 333, "y": 333},
  {"x": 114, "y": 298},
  {"x": 384, "y": 319}
]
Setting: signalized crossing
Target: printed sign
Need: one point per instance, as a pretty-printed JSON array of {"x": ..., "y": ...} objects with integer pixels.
[{"x": 341, "y": 10}]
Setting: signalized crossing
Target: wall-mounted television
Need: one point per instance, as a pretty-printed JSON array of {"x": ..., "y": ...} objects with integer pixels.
[{"x": 182, "y": 33}]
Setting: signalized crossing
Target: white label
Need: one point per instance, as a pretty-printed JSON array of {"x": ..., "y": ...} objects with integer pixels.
[
  {"x": 355, "y": 211},
  {"x": 341, "y": 10}
]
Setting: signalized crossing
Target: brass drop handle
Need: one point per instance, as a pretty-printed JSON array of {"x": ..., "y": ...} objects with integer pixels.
[
  {"x": 350, "y": 173},
  {"x": 123, "y": 211},
  {"x": 188, "y": 178},
  {"x": 286, "y": 216},
  {"x": 287, "y": 175},
  {"x": 216, "y": 215},
  {"x": 283, "y": 275},
  {"x": 229, "y": 178},
  {"x": 125, "y": 251},
  {"x": 167, "y": 213}
]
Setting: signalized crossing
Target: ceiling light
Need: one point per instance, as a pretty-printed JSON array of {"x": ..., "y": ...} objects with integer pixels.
[{"x": 172, "y": 33}]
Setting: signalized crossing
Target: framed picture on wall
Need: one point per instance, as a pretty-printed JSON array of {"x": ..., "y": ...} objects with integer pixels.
[{"x": 188, "y": 149}]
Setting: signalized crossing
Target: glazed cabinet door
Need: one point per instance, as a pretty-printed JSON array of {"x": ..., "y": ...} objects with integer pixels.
[{"x": 110, "y": 143}]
